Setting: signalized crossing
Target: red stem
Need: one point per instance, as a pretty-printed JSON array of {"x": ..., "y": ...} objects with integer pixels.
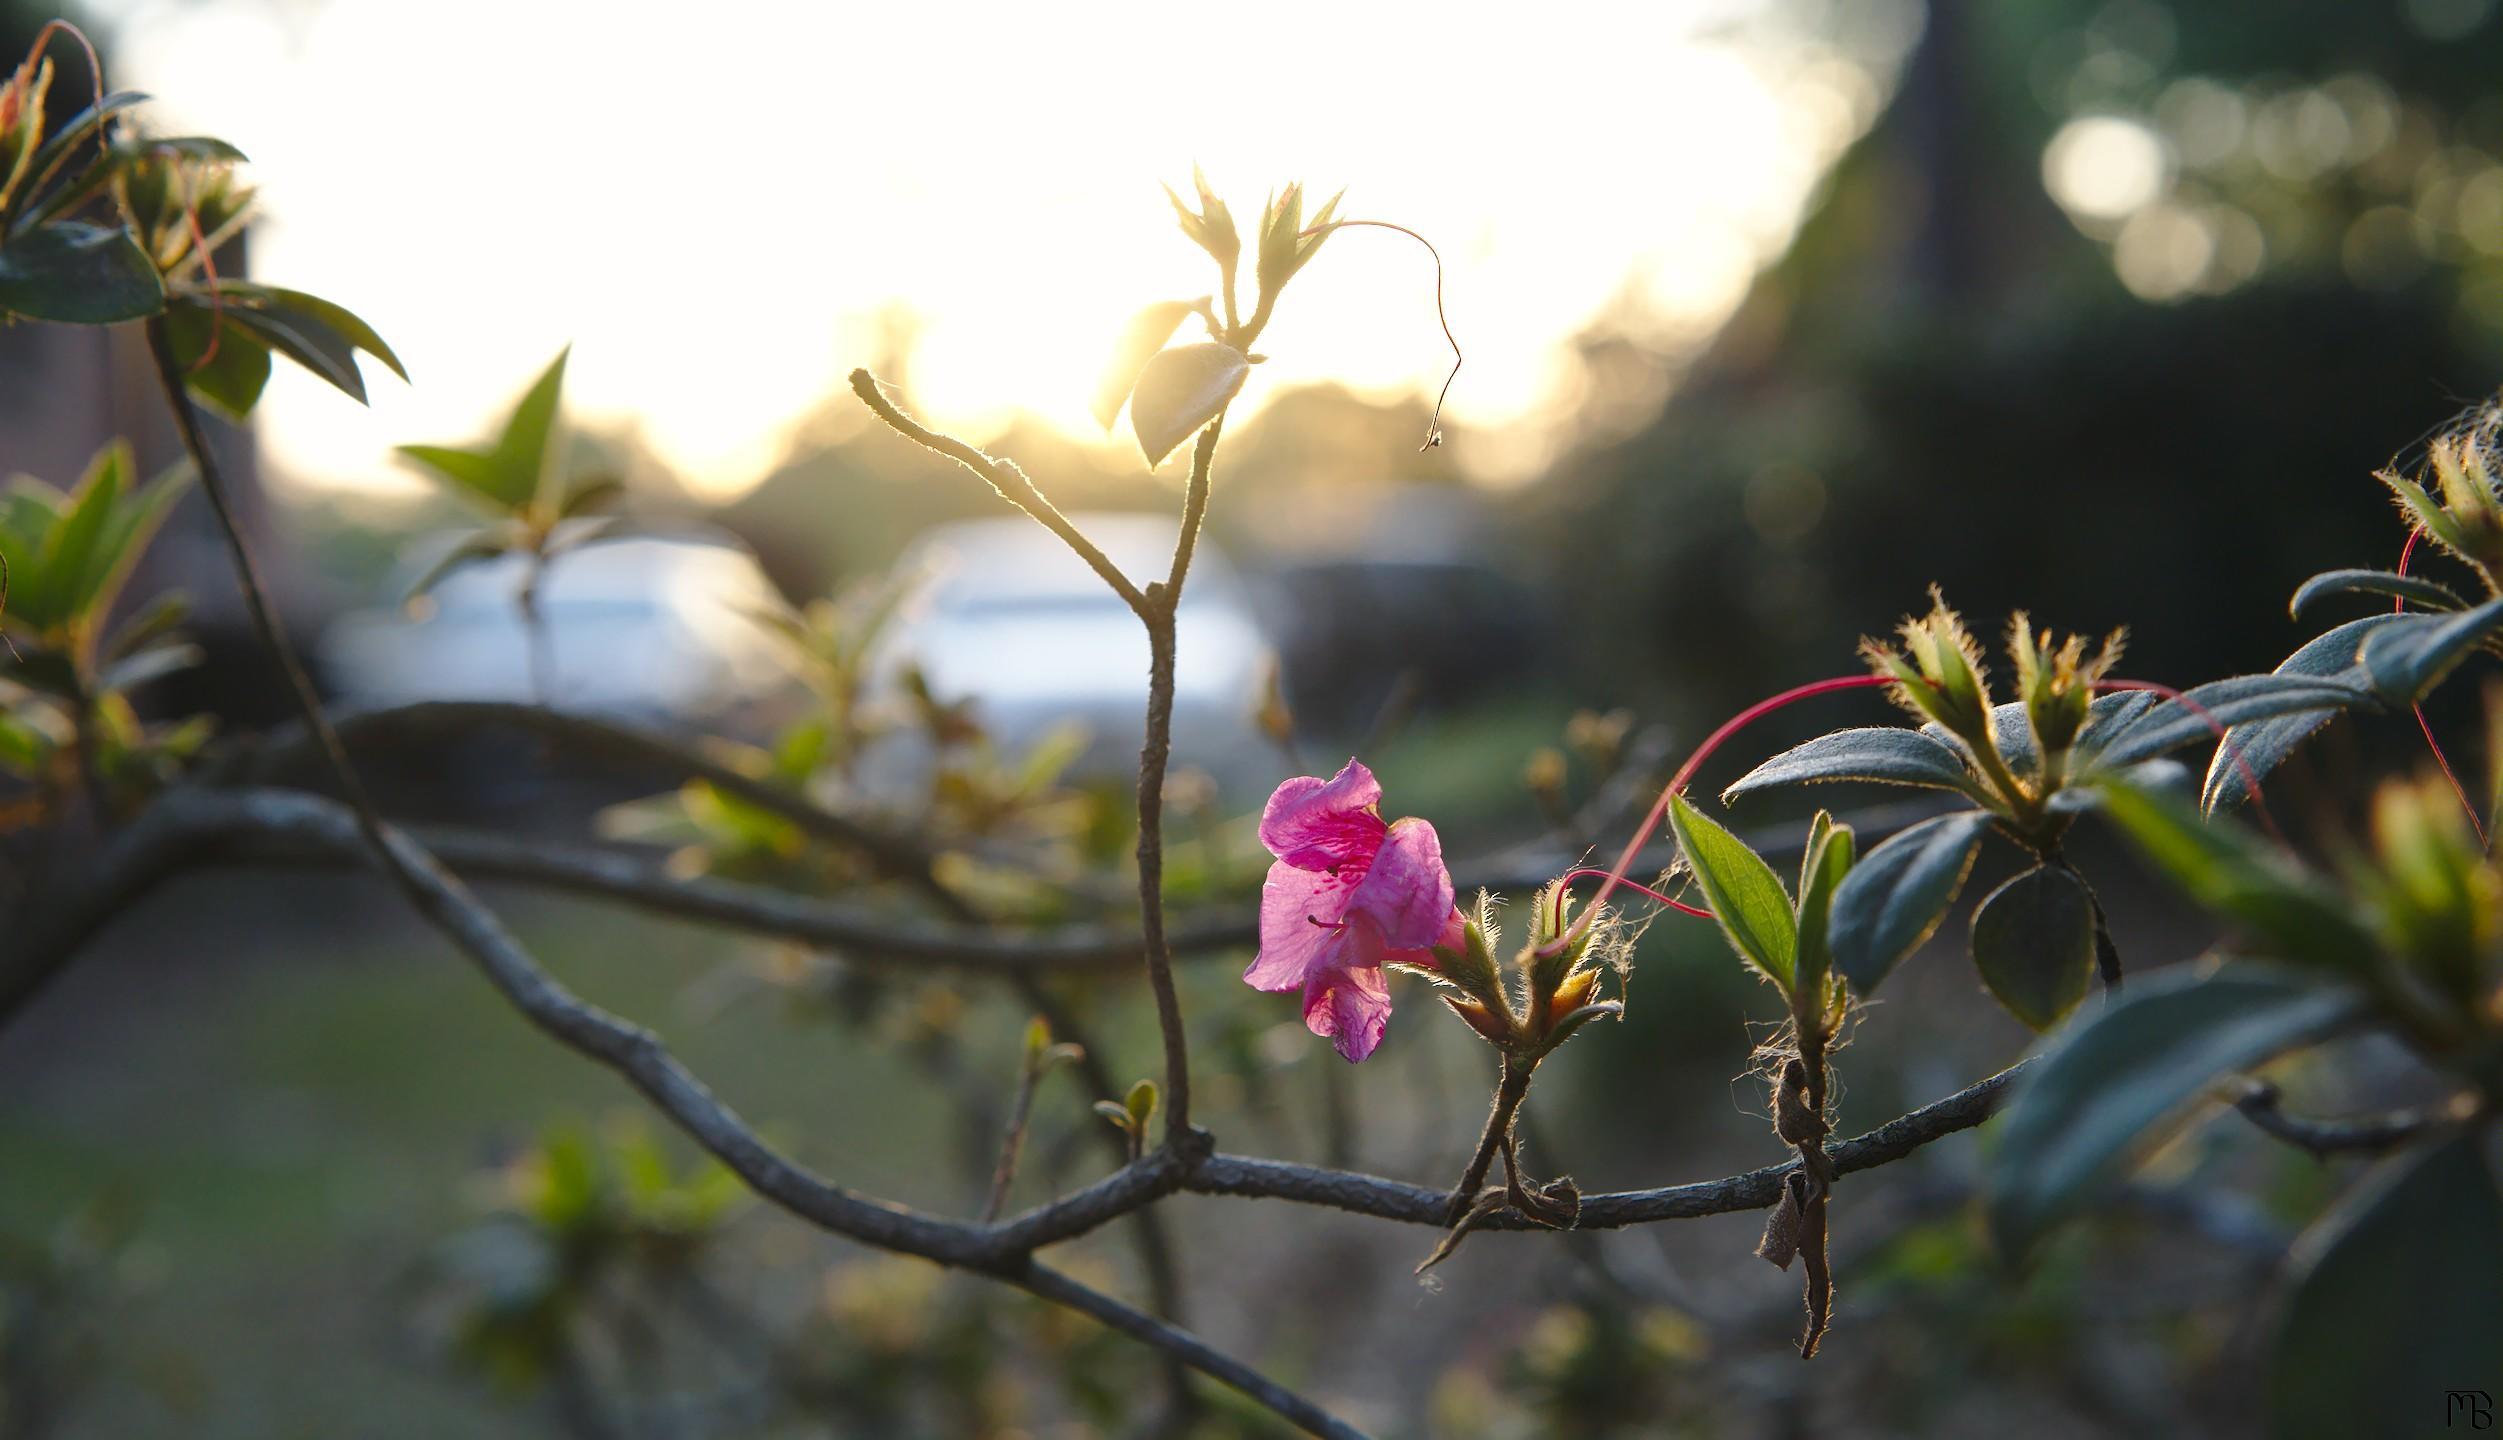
[
  {"x": 2399, "y": 607},
  {"x": 1639, "y": 888},
  {"x": 1686, "y": 773}
]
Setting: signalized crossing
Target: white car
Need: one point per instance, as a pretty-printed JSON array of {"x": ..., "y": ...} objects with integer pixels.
[
  {"x": 646, "y": 628},
  {"x": 1005, "y": 615}
]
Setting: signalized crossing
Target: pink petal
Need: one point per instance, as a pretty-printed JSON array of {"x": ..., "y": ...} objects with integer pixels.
[
  {"x": 1314, "y": 824},
  {"x": 1302, "y": 919},
  {"x": 1352, "y": 1007},
  {"x": 1429, "y": 957},
  {"x": 1407, "y": 891}
]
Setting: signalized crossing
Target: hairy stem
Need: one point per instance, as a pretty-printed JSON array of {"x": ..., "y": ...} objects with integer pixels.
[{"x": 1510, "y": 1090}]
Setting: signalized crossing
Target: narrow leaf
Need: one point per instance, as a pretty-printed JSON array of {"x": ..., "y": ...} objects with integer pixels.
[
  {"x": 2224, "y": 704},
  {"x": 2430, "y": 594},
  {"x": 2098, "y": 1091},
  {"x": 2226, "y": 871},
  {"x": 1886, "y": 755},
  {"x": 2263, "y": 745},
  {"x": 1892, "y": 901},
  {"x": 2407, "y": 659},
  {"x": 1747, "y": 897}
]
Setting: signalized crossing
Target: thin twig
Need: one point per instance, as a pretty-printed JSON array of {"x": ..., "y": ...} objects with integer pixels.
[
  {"x": 617, "y": 744},
  {"x": 1189, "y": 1348},
  {"x": 1155, "y": 753},
  {"x": 1003, "y": 476},
  {"x": 2260, "y": 1103}
]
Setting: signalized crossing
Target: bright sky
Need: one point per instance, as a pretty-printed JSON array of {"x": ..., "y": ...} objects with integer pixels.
[{"x": 723, "y": 207}]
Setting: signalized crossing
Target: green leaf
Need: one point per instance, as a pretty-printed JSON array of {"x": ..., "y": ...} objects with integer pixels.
[
  {"x": 2407, "y": 659},
  {"x": 2226, "y": 871},
  {"x": 1892, "y": 901},
  {"x": 1180, "y": 391},
  {"x": 2263, "y": 745},
  {"x": 50, "y": 595},
  {"x": 126, "y": 535},
  {"x": 1140, "y": 1105},
  {"x": 2221, "y": 704},
  {"x": 527, "y": 446},
  {"x": 481, "y": 475},
  {"x": 1145, "y": 335},
  {"x": 2096, "y": 1093},
  {"x": 1829, "y": 862},
  {"x": 229, "y": 375},
  {"x": 1747, "y": 897},
  {"x": 512, "y": 474},
  {"x": 1885, "y": 754},
  {"x": 337, "y": 317},
  {"x": 314, "y": 346},
  {"x": 2034, "y": 943},
  {"x": 2428, "y": 593},
  {"x": 2396, "y": 1300},
  {"x": 74, "y": 273}
]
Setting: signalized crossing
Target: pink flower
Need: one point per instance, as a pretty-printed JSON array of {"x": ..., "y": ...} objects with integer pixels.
[{"x": 1348, "y": 895}]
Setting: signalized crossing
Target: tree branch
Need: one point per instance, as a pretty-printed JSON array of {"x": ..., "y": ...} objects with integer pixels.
[
  {"x": 899, "y": 856},
  {"x": 2260, "y": 1103}
]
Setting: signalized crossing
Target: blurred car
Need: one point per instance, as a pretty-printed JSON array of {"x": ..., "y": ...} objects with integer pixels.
[
  {"x": 655, "y": 629},
  {"x": 1001, "y": 613}
]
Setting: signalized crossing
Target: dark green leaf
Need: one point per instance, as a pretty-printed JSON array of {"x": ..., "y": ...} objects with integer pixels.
[
  {"x": 2430, "y": 594},
  {"x": 2010, "y": 730},
  {"x": 1884, "y": 754},
  {"x": 228, "y": 375},
  {"x": 2226, "y": 871},
  {"x": 1747, "y": 897},
  {"x": 2034, "y": 943},
  {"x": 589, "y": 493},
  {"x": 2083, "y": 1111},
  {"x": 2263, "y": 745},
  {"x": 315, "y": 346},
  {"x": 74, "y": 273},
  {"x": 337, "y": 317},
  {"x": 1895, "y": 896},
  {"x": 2220, "y": 704},
  {"x": 2408, "y": 658},
  {"x": 2397, "y": 1302},
  {"x": 2107, "y": 718}
]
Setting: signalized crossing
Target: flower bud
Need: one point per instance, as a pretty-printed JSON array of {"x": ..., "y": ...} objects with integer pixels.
[
  {"x": 1495, "y": 1023},
  {"x": 1939, "y": 673},
  {"x": 2057, "y": 682}
]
